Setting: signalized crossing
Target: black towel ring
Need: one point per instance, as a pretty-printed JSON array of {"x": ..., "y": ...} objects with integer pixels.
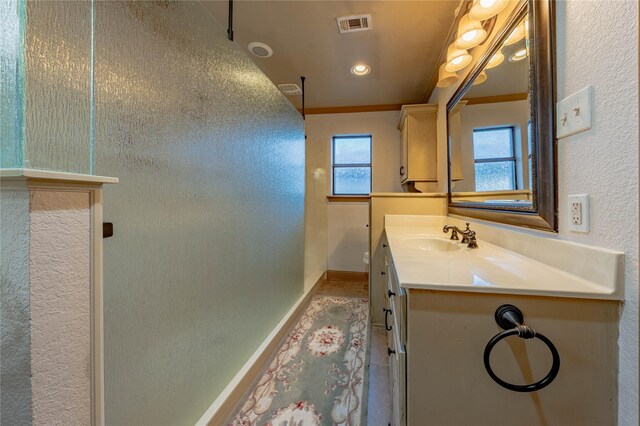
[{"x": 510, "y": 319}]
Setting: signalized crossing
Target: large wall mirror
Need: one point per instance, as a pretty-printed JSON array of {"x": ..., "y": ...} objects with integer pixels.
[{"x": 501, "y": 126}]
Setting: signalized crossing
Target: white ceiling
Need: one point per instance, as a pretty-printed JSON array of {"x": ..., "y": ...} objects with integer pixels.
[{"x": 402, "y": 49}]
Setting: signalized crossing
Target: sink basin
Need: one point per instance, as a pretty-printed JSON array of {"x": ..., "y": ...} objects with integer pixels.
[{"x": 421, "y": 242}]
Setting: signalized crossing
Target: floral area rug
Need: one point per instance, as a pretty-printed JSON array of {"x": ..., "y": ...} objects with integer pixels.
[{"x": 318, "y": 376}]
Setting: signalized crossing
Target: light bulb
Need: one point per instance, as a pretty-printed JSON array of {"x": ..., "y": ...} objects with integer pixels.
[
  {"x": 445, "y": 78},
  {"x": 486, "y": 9},
  {"x": 481, "y": 78},
  {"x": 470, "y": 33},
  {"x": 495, "y": 60},
  {"x": 519, "y": 55},
  {"x": 468, "y": 36},
  {"x": 516, "y": 35},
  {"x": 457, "y": 59}
]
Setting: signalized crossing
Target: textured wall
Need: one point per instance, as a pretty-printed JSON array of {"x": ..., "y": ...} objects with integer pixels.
[
  {"x": 60, "y": 283},
  {"x": 11, "y": 82},
  {"x": 598, "y": 45},
  {"x": 15, "y": 366},
  {"x": 208, "y": 249},
  {"x": 58, "y": 80}
]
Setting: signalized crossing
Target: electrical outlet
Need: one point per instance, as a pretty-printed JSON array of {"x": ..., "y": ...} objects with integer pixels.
[
  {"x": 576, "y": 213},
  {"x": 579, "y": 213}
]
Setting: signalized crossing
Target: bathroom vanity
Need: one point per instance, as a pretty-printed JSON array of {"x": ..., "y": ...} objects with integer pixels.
[{"x": 441, "y": 298}]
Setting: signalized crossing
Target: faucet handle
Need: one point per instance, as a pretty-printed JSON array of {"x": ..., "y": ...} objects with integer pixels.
[
  {"x": 473, "y": 244},
  {"x": 465, "y": 234}
]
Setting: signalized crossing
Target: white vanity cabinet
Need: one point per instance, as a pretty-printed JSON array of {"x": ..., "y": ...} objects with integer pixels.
[
  {"x": 447, "y": 383},
  {"x": 418, "y": 152},
  {"x": 437, "y": 334},
  {"x": 395, "y": 324}
]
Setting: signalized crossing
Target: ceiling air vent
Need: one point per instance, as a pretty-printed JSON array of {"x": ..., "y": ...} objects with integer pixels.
[
  {"x": 290, "y": 89},
  {"x": 351, "y": 24}
]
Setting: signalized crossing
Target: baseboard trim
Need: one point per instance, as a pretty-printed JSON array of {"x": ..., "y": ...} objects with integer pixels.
[
  {"x": 347, "y": 276},
  {"x": 222, "y": 408}
]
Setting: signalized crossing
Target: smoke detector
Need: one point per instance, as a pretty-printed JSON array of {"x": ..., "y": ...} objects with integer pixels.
[
  {"x": 354, "y": 23},
  {"x": 260, "y": 50},
  {"x": 290, "y": 89}
]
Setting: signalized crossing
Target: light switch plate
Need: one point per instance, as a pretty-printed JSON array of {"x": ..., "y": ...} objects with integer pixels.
[
  {"x": 579, "y": 213},
  {"x": 573, "y": 113}
]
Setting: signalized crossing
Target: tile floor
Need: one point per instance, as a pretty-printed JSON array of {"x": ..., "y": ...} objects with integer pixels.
[
  {"x": 379, "y": 405},
  {"x": 379, "y": 399}
]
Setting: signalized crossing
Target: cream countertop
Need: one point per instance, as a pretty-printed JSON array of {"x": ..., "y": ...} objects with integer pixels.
[{"x": 487, "y": 269}]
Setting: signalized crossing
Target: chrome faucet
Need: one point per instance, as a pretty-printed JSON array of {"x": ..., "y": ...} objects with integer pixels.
[{"x": 468, "y": 236}]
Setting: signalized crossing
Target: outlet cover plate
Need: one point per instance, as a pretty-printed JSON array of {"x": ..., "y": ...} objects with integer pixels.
[
  {"x": 578, "y": 212},
  {"x": 573, "y": 113}
]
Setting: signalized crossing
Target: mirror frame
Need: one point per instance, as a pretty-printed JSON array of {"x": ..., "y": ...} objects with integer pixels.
[{"x": 542, "y": 94}]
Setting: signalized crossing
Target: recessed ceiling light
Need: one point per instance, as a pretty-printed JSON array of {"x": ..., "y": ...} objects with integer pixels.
[
  {"x": 360, "y": 69},
  {"x": 290, "y": 89},
  {"x": 260, "y": 50},
  {"x": 519, "y": 55}
]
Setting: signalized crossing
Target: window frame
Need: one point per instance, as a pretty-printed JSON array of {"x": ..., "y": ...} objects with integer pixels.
[
  {"x": 350, "y": 165},
  {"x": 513, "y": 158}
]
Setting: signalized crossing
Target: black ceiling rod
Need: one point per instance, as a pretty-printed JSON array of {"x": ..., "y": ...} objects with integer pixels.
[
  {"x": 230, "y": 29},
  {"x": 302, "y": 79}
]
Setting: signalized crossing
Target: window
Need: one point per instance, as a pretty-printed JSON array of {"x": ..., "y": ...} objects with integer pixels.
[
  {"x": 495, "y": 160},
  {"x": 351, "y": 165}
]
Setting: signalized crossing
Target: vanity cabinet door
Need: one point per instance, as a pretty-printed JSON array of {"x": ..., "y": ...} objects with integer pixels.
[
  {"x": 401, "y": 383},
  {"x": 397, "y": 376},
  {"x": 397, "y": 300},
  {"x": 396, "y": 306}
]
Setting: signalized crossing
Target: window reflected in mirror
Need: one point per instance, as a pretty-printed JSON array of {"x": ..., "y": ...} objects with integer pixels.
[{"x": 495, "y": 159}]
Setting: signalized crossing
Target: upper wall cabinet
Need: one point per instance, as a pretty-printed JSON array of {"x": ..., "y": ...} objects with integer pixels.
[{"x": 418, "y": 157}]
